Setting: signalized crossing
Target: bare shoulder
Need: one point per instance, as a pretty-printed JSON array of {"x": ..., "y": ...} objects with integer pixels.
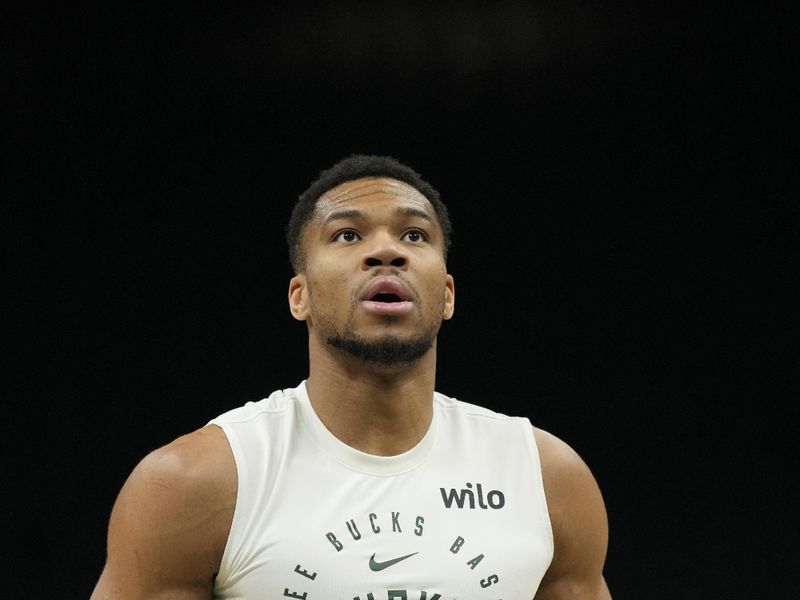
[
  {"x": 171, "y": 519},
  {"x": 561, "y": 464},
  {"x": 186, "y": 474},
  {"x": 579, "y": 521},
  {"x": 201, "y": 461}
]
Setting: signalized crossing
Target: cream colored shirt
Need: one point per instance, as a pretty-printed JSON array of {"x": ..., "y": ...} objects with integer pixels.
[{"x": 461, "y": 515}]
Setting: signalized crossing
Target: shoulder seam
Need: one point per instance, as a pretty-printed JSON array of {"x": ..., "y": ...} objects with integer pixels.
[{"x": 474, "y": 410}]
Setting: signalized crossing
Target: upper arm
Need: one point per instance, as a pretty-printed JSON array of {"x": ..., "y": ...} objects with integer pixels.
[
  {"x": 579, "y": 521},
  {"x": 171, "y": 520}
]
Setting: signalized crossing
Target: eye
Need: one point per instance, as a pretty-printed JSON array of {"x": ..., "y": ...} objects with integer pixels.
[
  {"x": 415, "y": 235},
  {"x": 345, "y": 235}
]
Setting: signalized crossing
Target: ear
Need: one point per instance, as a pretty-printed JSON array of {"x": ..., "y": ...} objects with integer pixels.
[
  {"x": 449, "y": 298},
  {"x": 298, "y": 297}
]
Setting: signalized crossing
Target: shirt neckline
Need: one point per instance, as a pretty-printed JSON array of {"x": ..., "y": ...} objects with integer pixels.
[{"x": 356, "y": 459}]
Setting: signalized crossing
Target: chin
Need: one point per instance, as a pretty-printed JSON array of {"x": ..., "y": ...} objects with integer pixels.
[{"x": 385, "y": 352}]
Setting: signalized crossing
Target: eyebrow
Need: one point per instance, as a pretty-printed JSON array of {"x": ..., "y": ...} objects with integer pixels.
[{"x": 404, "y": 211}]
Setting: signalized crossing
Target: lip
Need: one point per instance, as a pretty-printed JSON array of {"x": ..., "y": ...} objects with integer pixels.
[
  {"x": 387, "y": 285},
  {"x": 388, "y": 308}
]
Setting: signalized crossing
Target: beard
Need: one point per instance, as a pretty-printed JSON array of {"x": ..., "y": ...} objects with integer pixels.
[
  {"x": 386, "y": 351},
  {"x": 390, "y": 352}
]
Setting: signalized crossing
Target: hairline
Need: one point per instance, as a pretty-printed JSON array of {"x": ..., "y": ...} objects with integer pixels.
[{"x": 354, "y": 168}]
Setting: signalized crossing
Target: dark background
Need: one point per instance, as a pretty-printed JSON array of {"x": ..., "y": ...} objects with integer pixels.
[{"x": 624, "y": 239}]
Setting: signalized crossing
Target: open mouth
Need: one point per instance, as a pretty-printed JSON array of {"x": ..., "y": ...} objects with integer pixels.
[{"x": 387, "y": 297}]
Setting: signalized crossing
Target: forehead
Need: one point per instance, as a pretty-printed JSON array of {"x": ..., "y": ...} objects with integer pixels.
[{"x": 371, "y": 192}]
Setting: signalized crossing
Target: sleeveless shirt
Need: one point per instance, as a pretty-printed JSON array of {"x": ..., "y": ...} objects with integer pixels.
[{"x": 461, "y": 515}]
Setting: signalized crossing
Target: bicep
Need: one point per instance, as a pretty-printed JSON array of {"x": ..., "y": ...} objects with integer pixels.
[
  {"x": 580, "y": 527},
  {"x": 163, "y": 535}
]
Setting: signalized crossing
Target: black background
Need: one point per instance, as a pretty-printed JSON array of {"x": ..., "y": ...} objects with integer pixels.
[{"x": 624, "y": 239}]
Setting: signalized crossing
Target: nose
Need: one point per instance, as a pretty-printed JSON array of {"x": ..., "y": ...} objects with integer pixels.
[{"x": 384, "y": 251}]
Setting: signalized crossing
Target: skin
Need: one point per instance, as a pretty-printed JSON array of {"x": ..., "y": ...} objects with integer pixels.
[{"x": 170, "y": 522}]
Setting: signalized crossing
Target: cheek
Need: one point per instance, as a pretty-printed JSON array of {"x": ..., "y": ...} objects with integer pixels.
[
  {"x": 328, "y": 288},
  {"x": 436, "y": 289}
]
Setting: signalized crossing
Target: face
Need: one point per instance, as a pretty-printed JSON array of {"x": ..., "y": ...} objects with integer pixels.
[{"x": 375, "y": 284}]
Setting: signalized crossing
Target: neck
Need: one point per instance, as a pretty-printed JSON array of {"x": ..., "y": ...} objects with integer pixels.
[{"x": 380, "y": 411}]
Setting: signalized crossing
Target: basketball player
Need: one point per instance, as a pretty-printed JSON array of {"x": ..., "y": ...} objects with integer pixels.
[{"x": 362, "y": 481}]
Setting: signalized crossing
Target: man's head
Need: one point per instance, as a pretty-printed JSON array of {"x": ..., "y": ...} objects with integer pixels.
[
  {"x": 371, "y": 279},
  {"x": 357, "y": 166}
]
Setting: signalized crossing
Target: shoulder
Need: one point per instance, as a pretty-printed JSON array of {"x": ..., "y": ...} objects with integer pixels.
[
  {"x": 570, "y": 487},
  {"x": 193, "y": 474},
  {"x": 203, "y": 451},
  {"x": 579, "y": 522},
  {"x": 454, "y": 406},
  {"x": 189, "y": 469},
  {"x": 560, "y": 462},
  {"x": 171, "y": 519}
]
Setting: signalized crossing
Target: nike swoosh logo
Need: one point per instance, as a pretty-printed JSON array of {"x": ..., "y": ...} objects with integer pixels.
[{"x": 380, "y": 566}]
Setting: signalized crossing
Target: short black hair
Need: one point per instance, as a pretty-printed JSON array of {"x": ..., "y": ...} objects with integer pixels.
[{"x": 358, "y": 166}]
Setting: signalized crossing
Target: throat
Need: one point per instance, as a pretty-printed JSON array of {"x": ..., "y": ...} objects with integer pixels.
[
  {"x": 373, "y": 419},
  {"x": 388, "y": 438}
]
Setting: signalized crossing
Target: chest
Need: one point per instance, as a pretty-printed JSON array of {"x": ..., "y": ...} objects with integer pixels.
[{"x": 468, "y": 526}]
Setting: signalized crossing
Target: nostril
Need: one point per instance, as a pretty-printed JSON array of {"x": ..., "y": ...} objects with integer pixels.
[{"x": 376, "y": 261}]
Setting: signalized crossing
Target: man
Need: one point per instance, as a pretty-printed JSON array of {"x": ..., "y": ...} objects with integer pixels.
[{"x": 362, "y": 482}]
